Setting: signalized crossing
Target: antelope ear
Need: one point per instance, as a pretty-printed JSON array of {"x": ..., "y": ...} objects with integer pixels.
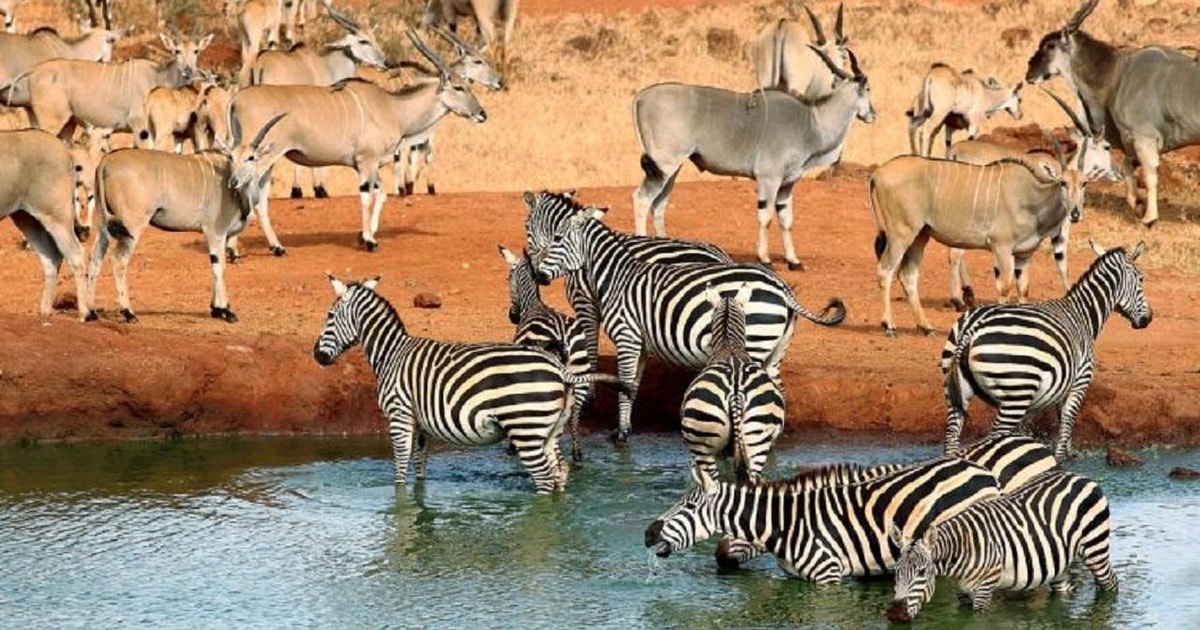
[
  {"x": 509, "y": 257},
  {"x": 204, "y": 42},
  {"x": 530, "y": 199},
  {"x": 1050, "y": 172},
  {"x": 1138, "y": 251},
  {"x": 167, "y": 40},
  {"x": 339, "y": 287},
  {"x": 1096, "y": 249},
  {"x": 371, "y": 283}
]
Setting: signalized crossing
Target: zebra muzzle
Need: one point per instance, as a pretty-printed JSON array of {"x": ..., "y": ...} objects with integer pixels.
[
  {"x": 322, "y": 357},
  {"x": 898, "y": 612},
  {"x": 542, "y": 277}
]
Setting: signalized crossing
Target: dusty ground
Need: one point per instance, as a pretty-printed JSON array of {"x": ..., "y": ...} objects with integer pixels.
[{"x": 180, "y": 372}]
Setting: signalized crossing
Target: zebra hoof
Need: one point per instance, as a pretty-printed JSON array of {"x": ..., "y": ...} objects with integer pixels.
[
  {"x": 795, "y": 266},
  {"x": 279, "y": 251},
  {"x": 620, "y": 439},
  {"x": 320, "y": 193},
  {"x": 91, "y": 316},
  {"x": 223, "y": 313},
  {"x": 969, "y": 297},
  {"x": 431, "y": 190},
  {"x": 297, "y": 193},
  {"x": 130, "y": 318},
  {"x": 512, "y": 449}
]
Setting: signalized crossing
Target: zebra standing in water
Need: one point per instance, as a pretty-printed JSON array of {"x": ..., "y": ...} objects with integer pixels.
[
  {"x": 549, "y": 211},
  {"x": 661, "y": 309},
  {"x": 540, "y": 326},
  {"x": 732, "y": 402},
  {"x": 1023, "y": 358},
  {"x": 824, "y": 534},
  {"x": 1013, "y": 460},
  {"x": 1016, "y": 542},
  {"x": 467, "y": 394}
]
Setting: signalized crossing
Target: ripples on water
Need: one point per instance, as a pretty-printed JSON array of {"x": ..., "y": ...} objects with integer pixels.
[{"x": 311, "y": 533}]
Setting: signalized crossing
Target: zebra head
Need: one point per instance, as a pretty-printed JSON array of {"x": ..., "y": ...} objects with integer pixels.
[
  {"x": 566, "y": 251},
  {"x": 1129, "y": 297},
  {"x": 914, "y": 573},
  {"x": 522, "y": 289},
  {"x": 344, "y": 322},
  {"x": 547, "y": 212},
  {"x": 693, "y": 519}
]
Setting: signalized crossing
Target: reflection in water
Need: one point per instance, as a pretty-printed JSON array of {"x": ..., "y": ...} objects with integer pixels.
[{"x": 312, "y": 533}]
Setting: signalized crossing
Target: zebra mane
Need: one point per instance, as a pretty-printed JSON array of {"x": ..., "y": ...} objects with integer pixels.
[
  {"x": 1096, "y": 264},
  {"x": 825, "y": 476}
]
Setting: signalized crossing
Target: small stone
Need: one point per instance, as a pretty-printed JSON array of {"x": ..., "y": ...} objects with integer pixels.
[
  {"x": 427, "y": 299},
  {"x": 1179, "y": 472},
  {"x": 1118, "y": 458}
]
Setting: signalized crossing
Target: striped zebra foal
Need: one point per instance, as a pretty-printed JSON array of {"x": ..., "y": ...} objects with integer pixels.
[
  {"x": 823, "y": 534},
  {"x": 1017, "y": 542},
  {"x": 540, "y": 326},
  {"x": 465, "y": 394},
  {"x": 548, "y": 212},
  {"x": 661, "y": 309},
  {"x": 732, "y": 403},
  {"x": 1024, "y": 358},
  {"x": 1013, "y": 460}
]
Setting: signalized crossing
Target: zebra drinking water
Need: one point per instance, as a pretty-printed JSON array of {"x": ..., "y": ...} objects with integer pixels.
[
  {"x": 1023, "y": 358},
  {"x": 540, "y": 326},
  {"x": 823, "y": 534},
  {"x": 732, "y": 403},
  {"x": 466, "y": 394},
  {"x": 661, "y": 309},
  {"x": 1020, "y": 541}
]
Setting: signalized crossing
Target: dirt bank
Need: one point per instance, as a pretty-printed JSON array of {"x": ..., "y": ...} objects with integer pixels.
[{"x": 180, "y": 372}]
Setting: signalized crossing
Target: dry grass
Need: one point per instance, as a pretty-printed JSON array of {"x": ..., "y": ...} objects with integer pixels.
[{"x": 566, "y": 120}]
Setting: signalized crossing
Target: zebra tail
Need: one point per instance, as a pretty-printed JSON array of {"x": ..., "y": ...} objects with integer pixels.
[
  {"x": 950, "y": 380},
  {"x": 833, "y": 314},
  {"x": 590, "y": 378},
  {"x": 741, "y": 455}
]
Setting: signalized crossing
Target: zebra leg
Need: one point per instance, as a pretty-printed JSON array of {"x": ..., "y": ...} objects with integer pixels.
[
  {"x": 732, "y": 553},
  {"x": 1063, "y": 585},
  {"x": 1067, "y": 415},
  {"x": 400, "y": 429},
  {"x": 1059, "y": 243},
  {"x": 629, "y": 370},
  {"x": 581, "y": 396},
  {"x": 421, "y": 456},
  {"x": 910, "y": 274},
  {"x": 535, "y": 455},
  {"x": 1097, "y": 561}
]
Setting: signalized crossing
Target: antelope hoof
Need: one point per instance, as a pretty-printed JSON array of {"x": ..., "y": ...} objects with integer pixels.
[
  {"x": 795, "y": 266},
  {"x": 82, "y": 232},
  {"x": 927, "y": 331},
  {"x": 223, "y": 313},
  {"x": 969, "y": 297},
  {"x": 408, "y": 189},
  {"x": 278, "y": 250},
  {"x": 370, "y": 245},
  {"x": 889, "y": 330},
  {"x": 130, "y": 318},
  {"x": 1150, "y": 224},
  {"x": 431, "y": 189},
  {"x": 766, "y": 262},
  {"x": 91, "y": 316},
  {"x": 297, "y": 193},
  {"x": 957, "y": 305},
  {"x": 320, "y": 192}
]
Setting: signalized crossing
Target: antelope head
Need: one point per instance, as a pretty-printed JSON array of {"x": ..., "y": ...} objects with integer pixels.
[
  {"x": 185, "y": 50},
  {"x": 471, "y": 64},
  {"x": 1054, "y": 52},
  {"x": 453, "y": 92},
  {"x": 358, "y": 43},
  {"x": 863, "y": 109}
]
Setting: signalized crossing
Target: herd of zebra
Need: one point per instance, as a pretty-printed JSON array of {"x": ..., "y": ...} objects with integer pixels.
[{"x": 998, "y": 514}]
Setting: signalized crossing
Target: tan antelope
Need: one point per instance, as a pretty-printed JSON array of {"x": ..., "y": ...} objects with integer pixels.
[
  {"x": 354, "y": 123},
  {"x": 86, "y": 155},
  {"x": 8, "y": 9},
  {"x": 1092, "y": 157},
  {"x": 38, "y": 184},
  {"x": 99, "y": 12},
  {"x": 296, "y": 14},
  {"x": 20, "y": 53},
  {"x": 304, "y": 66},
  {"x": 946, "y": 93},
  {"x": 1008, "y": 207},
  {"x": 212, "y": 115},
  {"x": 112, "y": 97},
  {"x": 486, "y": 13},
  {"x": 191, "y": 193},
  {"x": 258, "y": 25},
  {"x": 172, "y": 114},
  {"x": 782, "y": 59}
]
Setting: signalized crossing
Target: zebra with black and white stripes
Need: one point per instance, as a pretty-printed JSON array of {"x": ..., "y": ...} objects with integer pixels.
[
  {"x": 661, "y": 309},
  {"x": 1013, "y": 460},
  {"x": 466, "y": 394},
  {"x": 824, "y": 534},
  {"x": 1023, "y": 358},
  {"x": 541, "y": 326},
  {"x": 1016, "y": 542},
  {"x": 732, "y": 403}
]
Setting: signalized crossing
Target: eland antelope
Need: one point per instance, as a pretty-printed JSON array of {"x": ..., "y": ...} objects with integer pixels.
[
  {"x": 172, "y": 116},
  {"x": 945, "y": 93},
  {"x": 190, "y": 193},
  {"x": 8, "y": 9},
  {"x": 64, "y": 93},
  {"x": 354, "y": 123},
  {"x": 37, "y": 175},
  {"x": 782, "y": 59},
  {"x": 1144, "y": 99},
  {"x": 1092, "y": 157},
  {"x": 1007, "y": 207},
  {"x": 86, "y": 156},
  {"x": 769, "y": 136},
  {"x": 258, "y": 20},
  {"x": 486, "y": 14},
  {"x": 99, "y": 12},
  {"x": 20, "y": 53}
]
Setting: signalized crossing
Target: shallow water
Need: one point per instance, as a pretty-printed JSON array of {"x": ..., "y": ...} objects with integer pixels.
[{"x": 272, "y": 533}]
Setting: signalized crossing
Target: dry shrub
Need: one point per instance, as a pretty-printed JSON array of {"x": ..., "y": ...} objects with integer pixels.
[
  {"x": 1017, "y": 37},
  {"x": 594, "y": 45},
  {"x": 723, "y": 44}
]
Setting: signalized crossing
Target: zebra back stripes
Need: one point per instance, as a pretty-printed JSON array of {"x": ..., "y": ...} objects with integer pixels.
[
  {"x": 1022, "y": 359},
  {"x": 467, "y": 394},
  {"x": 732, "y": 402},
  {"x": 662, "y": 310},
  {"x": 1020, "y": 541},
  {"x": 540, "y": 326},
  {"x": 824, "y": 534}
]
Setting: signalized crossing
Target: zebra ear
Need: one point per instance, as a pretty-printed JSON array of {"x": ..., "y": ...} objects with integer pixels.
[
  {"x": 596, "y": 212},
  {"x": 930, "y": 536},
  {"x": 371, "y": 283},
  {"x": 530, "y": 200},
  {"x": 339, "y": 287},
  {"x": 896, "y": 536},
  {"x": 509, "y": 257},
  {"x": 743, "y": 296},
  {"x": 1096, "y": 249},
  {"x": 712, "y": 295},
  {"x": 1138, "y": 251}
]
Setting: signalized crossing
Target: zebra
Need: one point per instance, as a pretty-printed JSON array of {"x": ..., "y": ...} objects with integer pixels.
[
  {"x": 541, "y": 326},
  {"x": 466, "y": 394},
  {"x": 1023, "y": 358},
  {"x": 1013, "y": 460},
  {"x": 548, "y": 211},
  {"x": 824, "y": 534},
  {"x": 732, "y": 403},
  {"x": 661, "y": 310},
  {"x": 1019, "y": 541}
]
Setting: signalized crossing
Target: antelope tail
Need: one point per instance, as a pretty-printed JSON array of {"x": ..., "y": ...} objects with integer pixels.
[
  {"x": 741, "y": 455},
  {"x": 881, "y": 234},
  {"x": 12, "y": 85},
  {"x": 777, "y": 47}
]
